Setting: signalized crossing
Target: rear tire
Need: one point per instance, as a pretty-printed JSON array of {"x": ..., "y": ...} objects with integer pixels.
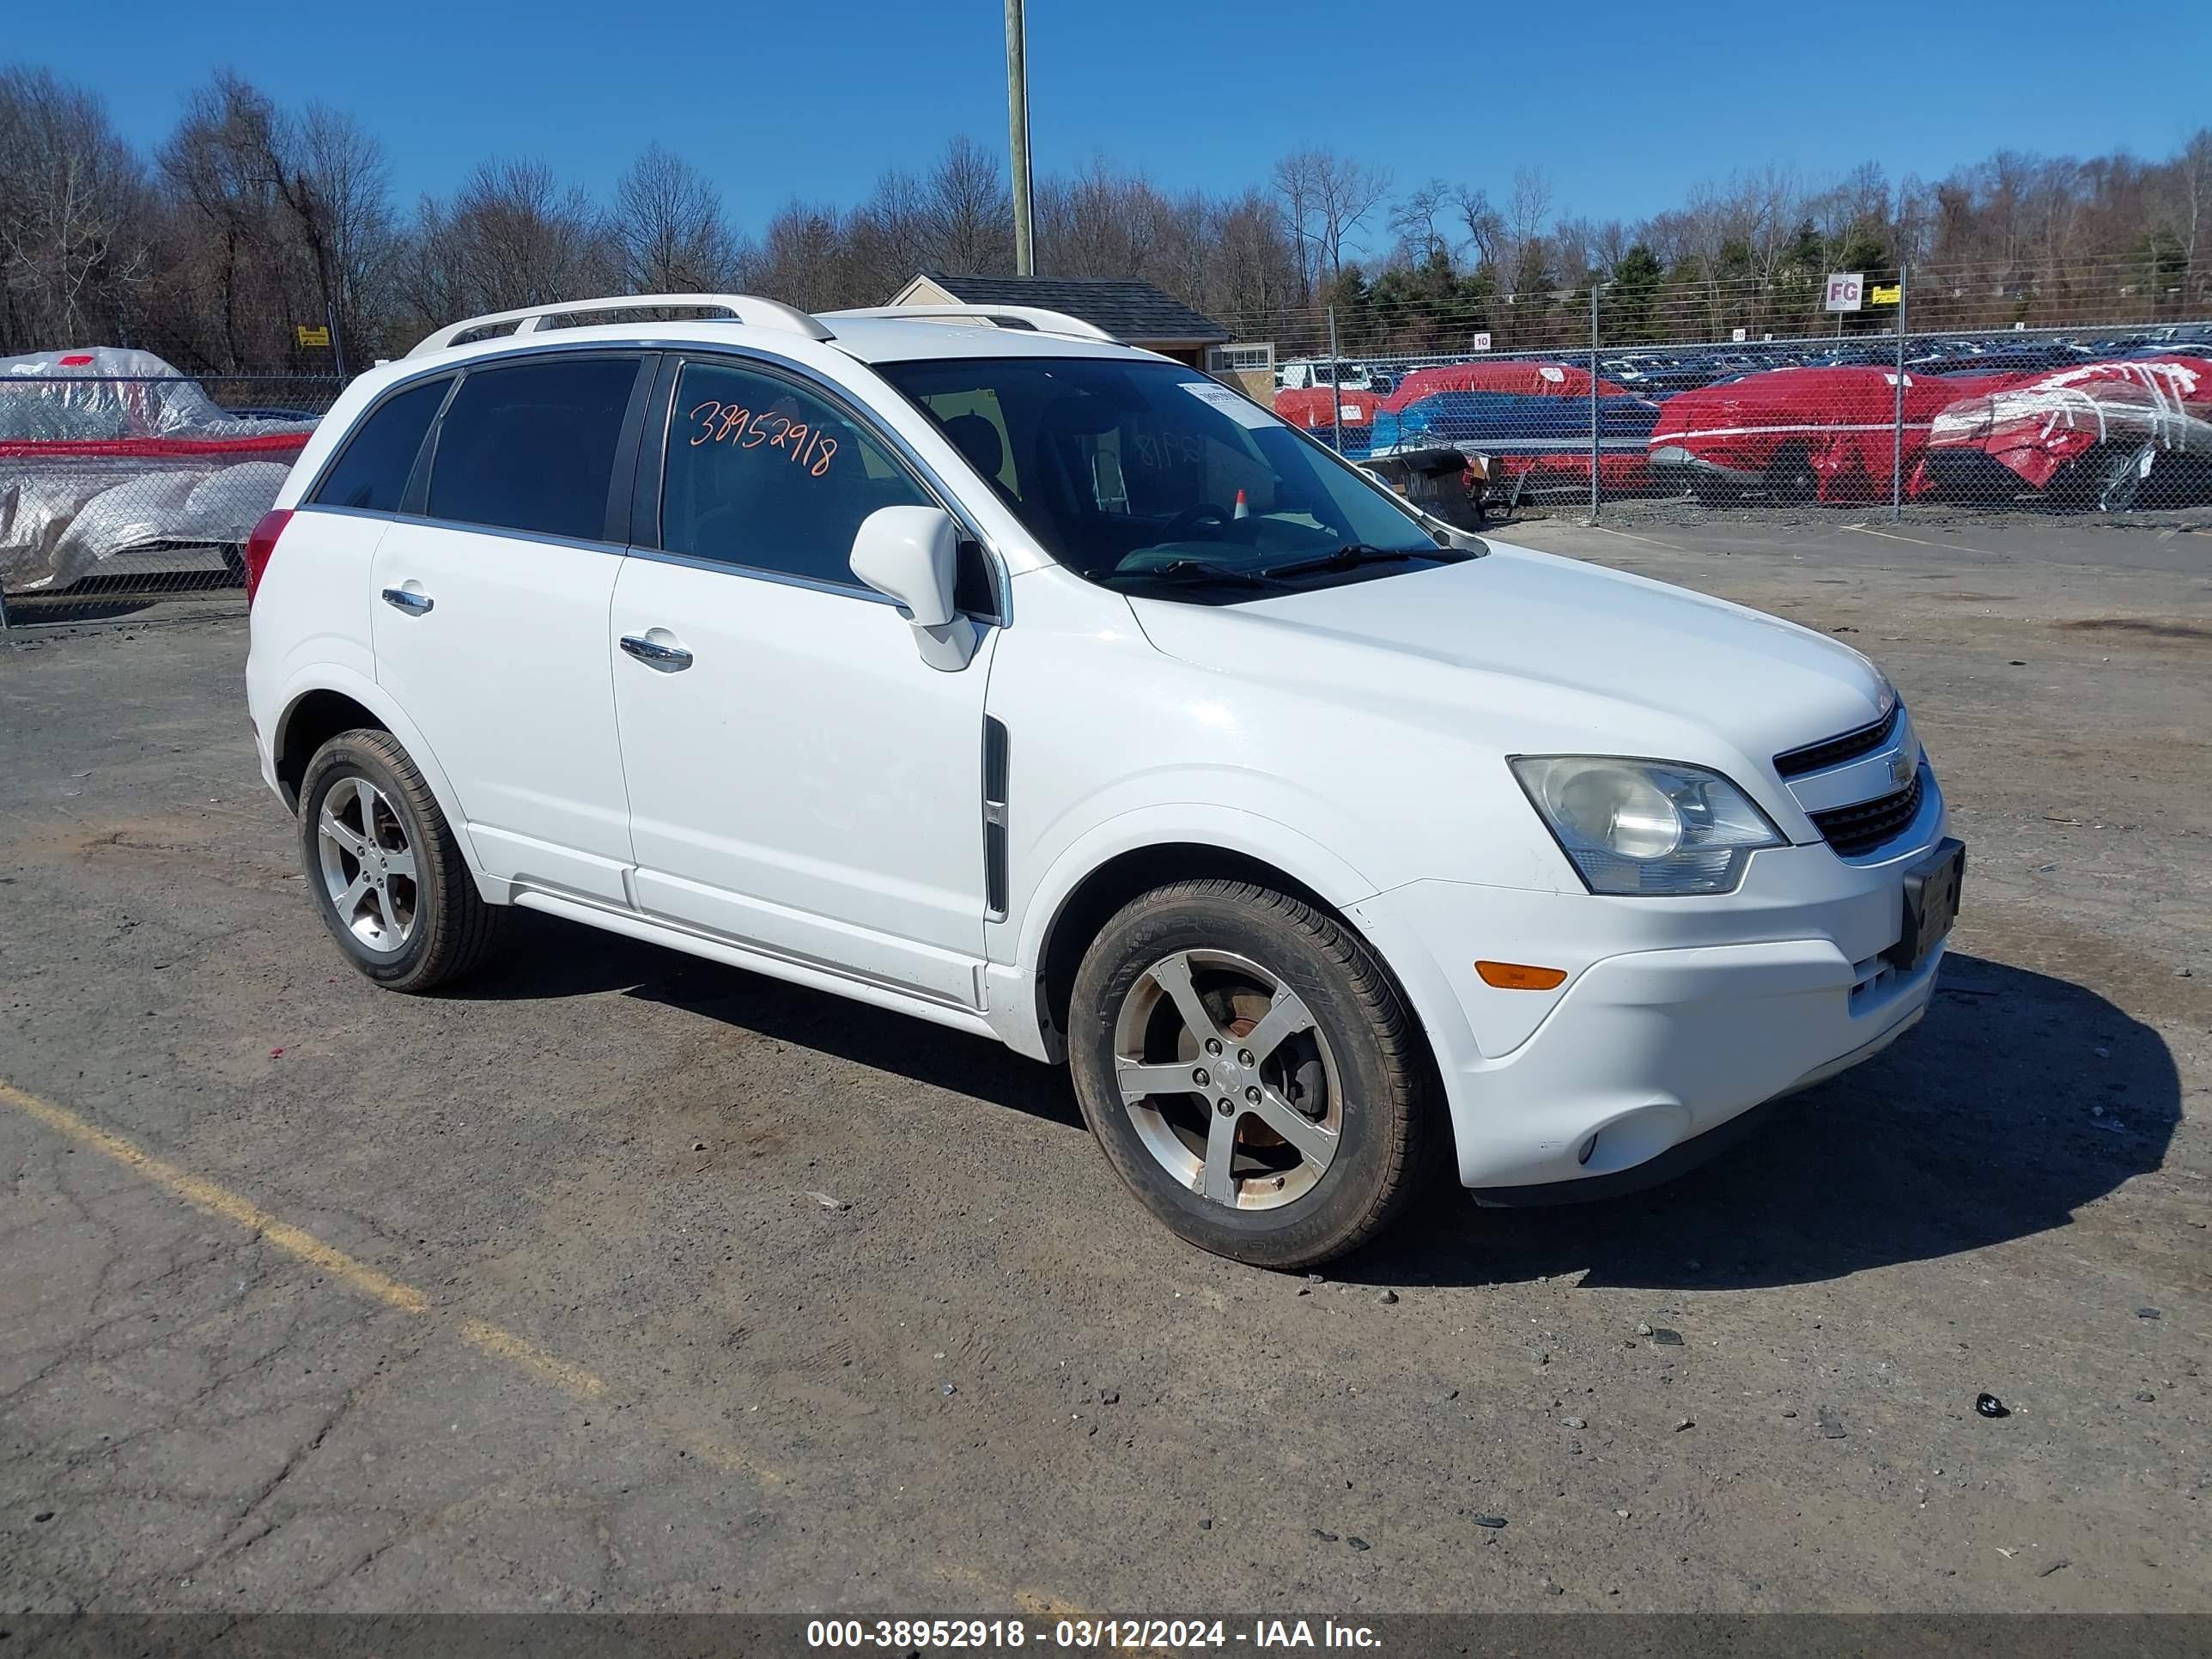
[
  {"x": 1252, "y": 1073},
  {"x": 387, "y": 875},
  {"x": 1790, "y": 478}
]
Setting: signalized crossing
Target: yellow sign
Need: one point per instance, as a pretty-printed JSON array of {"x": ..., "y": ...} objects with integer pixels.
[
  {"x": 1886, "y": 296},
  {"x": 313, "y": 336}
]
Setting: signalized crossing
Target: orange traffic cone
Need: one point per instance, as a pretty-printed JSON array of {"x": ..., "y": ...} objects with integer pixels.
[{"x": 1242, "y": 511}]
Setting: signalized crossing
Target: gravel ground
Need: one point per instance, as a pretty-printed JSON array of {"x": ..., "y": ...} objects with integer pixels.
[{"x": 618, "y": 1280}]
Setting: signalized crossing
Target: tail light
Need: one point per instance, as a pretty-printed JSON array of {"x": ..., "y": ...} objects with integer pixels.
[{"x": 261, "y": 544}]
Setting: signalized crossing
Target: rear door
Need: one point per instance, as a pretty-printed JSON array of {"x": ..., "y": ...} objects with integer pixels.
[{"x": 491, "y": 593}]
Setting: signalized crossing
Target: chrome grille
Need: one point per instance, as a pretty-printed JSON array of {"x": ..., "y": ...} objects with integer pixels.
[
  {"x": 1834, "y": 752},
  {"x": 1860, "y": 828}
]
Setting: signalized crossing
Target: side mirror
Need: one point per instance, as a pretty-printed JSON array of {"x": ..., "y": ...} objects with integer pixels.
[{"x": 911, "y": 556}]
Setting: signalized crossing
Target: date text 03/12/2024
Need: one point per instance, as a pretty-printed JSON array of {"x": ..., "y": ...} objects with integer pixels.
[{"x": 906, "y": 1634}]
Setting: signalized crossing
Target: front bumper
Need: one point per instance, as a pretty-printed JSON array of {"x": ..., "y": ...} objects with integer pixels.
[{"x": 1678, "y": 1016}]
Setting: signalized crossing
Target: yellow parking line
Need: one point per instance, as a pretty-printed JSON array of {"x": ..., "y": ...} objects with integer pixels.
[
  {"x": 206, "y": 1195},
  {"x": 505, "y": 1344},
  {"x": 382, "y": 1287},
  {"x": 525, "y": 1355},
  {"x": 519, "y": 1351}
]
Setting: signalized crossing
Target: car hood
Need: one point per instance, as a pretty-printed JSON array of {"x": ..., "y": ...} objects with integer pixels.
[{"x": 1553, "y": 655}]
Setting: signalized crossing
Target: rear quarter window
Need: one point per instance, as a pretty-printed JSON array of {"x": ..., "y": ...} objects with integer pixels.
[{"x": 371, "y": 472}]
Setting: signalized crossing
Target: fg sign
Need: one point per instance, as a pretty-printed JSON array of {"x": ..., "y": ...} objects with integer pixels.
[{"x": 1845, "y": 290}]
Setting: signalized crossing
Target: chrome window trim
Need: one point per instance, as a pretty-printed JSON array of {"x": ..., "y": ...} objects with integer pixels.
[
  {"x": 377, "y": 513},
  {"x": 842, "y": 400},
  {"x": 581, "y": 545},
  {"x": 781, "y": 578}
]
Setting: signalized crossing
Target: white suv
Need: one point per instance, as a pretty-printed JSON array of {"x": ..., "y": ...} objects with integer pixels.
[{"x": 975, "y": 666}]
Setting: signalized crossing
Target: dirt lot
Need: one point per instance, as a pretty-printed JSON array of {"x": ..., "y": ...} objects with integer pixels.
[{"x": 624, "y": 1281}]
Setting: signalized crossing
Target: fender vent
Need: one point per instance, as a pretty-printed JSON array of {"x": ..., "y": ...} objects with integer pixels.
[{"x": 994, "y": 817}]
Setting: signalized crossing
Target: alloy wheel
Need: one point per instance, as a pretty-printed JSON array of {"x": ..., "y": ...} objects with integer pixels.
[
  {"x": 368, "y": 865},
  {"x": 1229, "y": 1080}
]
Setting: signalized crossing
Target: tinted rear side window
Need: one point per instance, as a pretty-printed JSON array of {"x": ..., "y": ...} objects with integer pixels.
[
  {"x": 372, "y": 469},
  {"x": 531, "y": 447}
]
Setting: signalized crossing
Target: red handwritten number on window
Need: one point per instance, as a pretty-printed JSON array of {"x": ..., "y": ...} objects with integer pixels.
[{"x": 733, "y": 423}]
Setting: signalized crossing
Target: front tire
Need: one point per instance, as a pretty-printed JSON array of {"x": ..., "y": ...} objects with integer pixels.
[
  {"x": 1252, "y": 1073},
  {"x": 386, "y": 874}
]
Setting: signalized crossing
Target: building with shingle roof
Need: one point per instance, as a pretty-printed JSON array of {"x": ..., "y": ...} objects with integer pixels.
[{"x": 1135, "y": 312}]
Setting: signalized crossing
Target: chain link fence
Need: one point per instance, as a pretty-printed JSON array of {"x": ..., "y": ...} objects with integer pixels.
[
  {"x": 128, "y": 490},
  {"x": 1609, "y": 400}
]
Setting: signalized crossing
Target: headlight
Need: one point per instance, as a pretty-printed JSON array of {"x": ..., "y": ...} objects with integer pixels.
[{"x": 1646, "y": 827}]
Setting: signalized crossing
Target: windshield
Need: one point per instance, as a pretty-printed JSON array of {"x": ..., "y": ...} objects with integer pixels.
[{"x": 1137, "y": 473}]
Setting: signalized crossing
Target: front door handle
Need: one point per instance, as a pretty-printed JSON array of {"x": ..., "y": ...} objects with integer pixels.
[
  {"x": 407, "y": 600},
  {"x": 654, "y": 653}
]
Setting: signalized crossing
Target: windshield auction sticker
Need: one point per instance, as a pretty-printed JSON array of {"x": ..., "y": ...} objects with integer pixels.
[{"x": 1235, "y": 404}]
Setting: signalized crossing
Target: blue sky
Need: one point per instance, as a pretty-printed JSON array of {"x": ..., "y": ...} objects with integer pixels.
[{"x": 1625, "y": 106}]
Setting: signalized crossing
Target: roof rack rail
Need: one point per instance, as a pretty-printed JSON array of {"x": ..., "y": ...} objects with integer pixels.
[
  {"x": 748, "y": 308},
  {"x": 1032, "y": 318}
]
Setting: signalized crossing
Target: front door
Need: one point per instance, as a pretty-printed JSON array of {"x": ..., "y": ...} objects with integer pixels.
[
  {"x": 799, "y": 779},
  {"x": 491, "y": 606}
]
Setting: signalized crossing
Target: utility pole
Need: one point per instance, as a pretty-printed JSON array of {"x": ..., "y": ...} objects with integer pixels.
[
  {"x": 1017, "y": 131},
  {"x": 1897, "y": 423}
]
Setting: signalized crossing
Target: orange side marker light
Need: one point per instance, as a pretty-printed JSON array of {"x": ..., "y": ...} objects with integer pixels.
[{"x": 1519, "y": 976}]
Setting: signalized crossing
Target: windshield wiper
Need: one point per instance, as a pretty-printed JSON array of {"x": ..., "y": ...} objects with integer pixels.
[
  {"x": 1190, "y": 570},
  {"x": 1352, "y": 555}
]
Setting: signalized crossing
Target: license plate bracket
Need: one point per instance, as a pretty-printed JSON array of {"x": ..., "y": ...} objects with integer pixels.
[{"x": 1931, "y": 903}]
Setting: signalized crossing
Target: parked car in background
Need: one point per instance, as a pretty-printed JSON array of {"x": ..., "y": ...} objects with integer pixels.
[
  {"x": 1796, "y": 434},
  {"x": 1531, "y": 419},
  {"x": 1349, "y": 412},
  {"x": 106, "y": 451},
  {"x": 2132, "y": 432},
  {"x": 1303, "y": 373},
  {"x": 1047, "y": 690}
]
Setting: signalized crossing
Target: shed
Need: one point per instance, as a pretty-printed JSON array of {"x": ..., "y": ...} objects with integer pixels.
[{"x": 1135, "y": 312}]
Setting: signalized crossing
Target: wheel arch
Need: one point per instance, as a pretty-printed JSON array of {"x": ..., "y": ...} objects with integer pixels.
[
  {"x": 320, "y": 703},
  {"x": 313, "y": 720},
  {"x": 1079, "y": 907}
]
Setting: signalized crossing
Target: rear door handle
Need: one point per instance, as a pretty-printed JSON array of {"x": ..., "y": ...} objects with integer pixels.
[
  {"x": 403, "y": 599},
  {"x": 669, "y": 658}
]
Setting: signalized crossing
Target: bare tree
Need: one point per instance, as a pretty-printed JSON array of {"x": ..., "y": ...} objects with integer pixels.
[
  {"x": 1326, "y": 197},
  {"x": 343, "y": 180},
  {"x": 971, "y": 208},
  {"x": 804, "y": 259},
  {"x": 668, "y": 220},
  {"x": 512, "y": 237},
  {"x": 1414, "y": 220},
  {"x": 72, "y": 216},
  {"x": 2193, "y": 173},
  {"x": 1526, "y": 210}
]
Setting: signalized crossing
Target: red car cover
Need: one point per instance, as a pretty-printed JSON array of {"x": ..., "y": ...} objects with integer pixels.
[
  {"x": 1309, "y": 406},
  {"x": 1843, "y": 419},
  {"x": 2034, "y": 424},
  {"x": 1527, "y": 379}
]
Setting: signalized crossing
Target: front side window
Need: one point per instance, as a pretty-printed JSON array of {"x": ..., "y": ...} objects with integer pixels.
[
  {"x": 766, "y": 475},
  {"x": 371, "y": 472},
  {"x": 532, "y": 446},
  {"x": 1134, "y": 473}
]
